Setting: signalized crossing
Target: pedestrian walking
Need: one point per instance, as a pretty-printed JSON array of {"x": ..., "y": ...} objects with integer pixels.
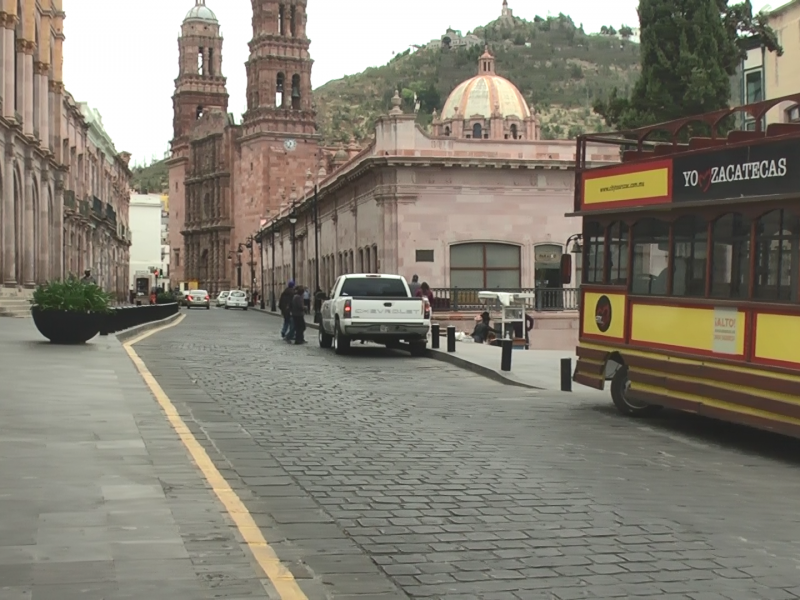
[
  {"x": 414, "y": 286},
  {"x": 307, "y": 300},
  {"x": 87, "y": 278},
  {"x": 319, "y": 298},
  {"x": 285, "y": 307},
  {"x": 298, "y": 311},
  {"x": 424, "y": 291}
]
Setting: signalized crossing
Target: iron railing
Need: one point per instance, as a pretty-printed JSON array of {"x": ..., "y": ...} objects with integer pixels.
[
  {"x": 69, "y": 199},
  {"x": 111, "y": 215},
  {"x": 97, "y": 207},
  {"x": 85, "y": 208},
  {"x": 547, "y": 299}
]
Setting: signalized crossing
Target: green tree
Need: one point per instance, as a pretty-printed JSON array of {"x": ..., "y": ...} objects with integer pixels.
[
  {"x": 625, "y": 32},
  {"x": 689, "y": 50}
]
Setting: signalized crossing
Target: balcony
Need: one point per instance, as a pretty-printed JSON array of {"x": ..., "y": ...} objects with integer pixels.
[
  {"x": 97, "y": 207},
  {"x": 69, "y": 200},
  {"x": 85, "y": 208},
  {"x": 111, "y": 215}
]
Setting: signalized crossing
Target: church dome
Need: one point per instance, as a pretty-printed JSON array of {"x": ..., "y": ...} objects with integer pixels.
[
  {"x": 200, "y": 12},
  {"x": 484, "y": 95}
]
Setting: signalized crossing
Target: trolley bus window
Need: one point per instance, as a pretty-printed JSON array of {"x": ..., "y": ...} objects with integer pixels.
[
  {"x": 690, "y": 256},
  {"x": 777, "y": 260},
  {"x": 618, "y": 253},
  {"x": 595, "y": 252},
  {"x": 650, "y": 257},
  {"x": 730, "y": 266}
]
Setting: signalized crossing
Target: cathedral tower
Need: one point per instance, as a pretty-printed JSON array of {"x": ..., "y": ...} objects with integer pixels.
[
  {"x": 200, "y": 84},
  {"x": 279, "y": 71}
]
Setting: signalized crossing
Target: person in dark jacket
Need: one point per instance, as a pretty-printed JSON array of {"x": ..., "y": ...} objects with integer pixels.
[
  {"x": 285, "y": 307},
  {"x": 298, "y": 311},
  {"x": 319, "y": 298},
  {"x": 414, "y": 286},
  {"x": 483, "y": 331}
]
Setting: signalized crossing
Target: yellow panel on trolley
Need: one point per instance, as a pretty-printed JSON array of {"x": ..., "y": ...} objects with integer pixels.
[
  {"x": 778, "y": 338},
  {"x": 708, "y": 330},
  {"x": 604, "y": 315}
]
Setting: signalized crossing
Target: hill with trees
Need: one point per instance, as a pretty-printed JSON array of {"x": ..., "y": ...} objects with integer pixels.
[{"x": 559, "y": 68}]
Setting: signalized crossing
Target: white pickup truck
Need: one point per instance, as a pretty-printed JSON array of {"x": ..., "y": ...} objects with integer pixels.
[{"x": 374, "y": 308}]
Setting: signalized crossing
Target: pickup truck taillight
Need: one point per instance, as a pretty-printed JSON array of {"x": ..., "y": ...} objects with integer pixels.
[
  {"x": 348, "y": 309},
  {"x": 426, "y": 308}
]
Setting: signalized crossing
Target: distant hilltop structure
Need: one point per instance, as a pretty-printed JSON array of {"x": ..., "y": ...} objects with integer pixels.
[{"x": 454, "y": 39}]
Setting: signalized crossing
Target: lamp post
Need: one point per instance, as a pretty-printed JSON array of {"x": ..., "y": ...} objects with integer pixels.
[
  {"x": 293, "y": 222},
  {"x": 238, "y": 254},
  {"x": 248, "y": 243},
  {"x": 260, "y": 240},
  {"x": 273, "y": 306},
  {"x": 316, "y": 239}
]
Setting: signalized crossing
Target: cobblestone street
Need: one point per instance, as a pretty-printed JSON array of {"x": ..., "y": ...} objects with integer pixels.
[{"x": 380, "y": 476}]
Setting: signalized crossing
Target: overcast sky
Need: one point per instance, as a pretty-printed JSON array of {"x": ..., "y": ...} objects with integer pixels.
[{"x": 122, "y": 57}]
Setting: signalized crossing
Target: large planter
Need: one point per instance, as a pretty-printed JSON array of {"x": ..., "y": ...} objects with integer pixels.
[{"x": 63, "y": 327}]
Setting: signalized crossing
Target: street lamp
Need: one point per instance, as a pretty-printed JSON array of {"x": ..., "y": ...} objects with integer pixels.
[
  {"x": 238, "y": 254},
  {"x": 260, "y": 241},
  {"x": 273, "y": 306},
  {"x": 293, "y": 221},
  {"x": 248, "y": 243},
  {"x": 316, "y": 239}
]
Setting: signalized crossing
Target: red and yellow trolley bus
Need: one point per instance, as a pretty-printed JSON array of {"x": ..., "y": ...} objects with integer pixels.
[{"x": 691, "y": 265}]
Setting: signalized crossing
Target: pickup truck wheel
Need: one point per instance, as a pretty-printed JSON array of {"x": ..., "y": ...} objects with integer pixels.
[
  {"x": 418, "y": 348},
  {"x": 325, "y": 340},
  {"x": 341, "y": 343}
]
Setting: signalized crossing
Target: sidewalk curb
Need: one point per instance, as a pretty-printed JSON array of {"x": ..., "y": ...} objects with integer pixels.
[
  {"x": 487, "y": 372},
  {"x": 452, "y": 359},
  {"x": 124, "y": 336}
]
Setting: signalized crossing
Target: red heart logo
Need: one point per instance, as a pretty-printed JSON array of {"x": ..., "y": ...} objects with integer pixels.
[{"x": 705, "y": 180}]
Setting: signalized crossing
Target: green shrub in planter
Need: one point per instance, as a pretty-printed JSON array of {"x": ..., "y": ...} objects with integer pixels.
[
  {"x": 165, "y": 298},
  {"x": 72, "y": 296}
]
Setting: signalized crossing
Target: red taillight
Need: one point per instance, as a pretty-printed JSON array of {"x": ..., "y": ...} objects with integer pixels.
[
  {"x": 348, "y": 308},
  {"x": 207, "y": 298},
  {"x": 189, "y": 298},
  {"x": 426, "y": 308}
]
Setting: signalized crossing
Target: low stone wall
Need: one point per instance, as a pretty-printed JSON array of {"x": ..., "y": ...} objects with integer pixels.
[{"x": 551, "y": 330}]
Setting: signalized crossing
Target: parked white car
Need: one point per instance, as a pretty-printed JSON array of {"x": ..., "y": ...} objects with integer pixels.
[
  {"x": 374, "y": 308},
  {"x": 236, "y": 299},
  {"x": 222, "y": 298}
]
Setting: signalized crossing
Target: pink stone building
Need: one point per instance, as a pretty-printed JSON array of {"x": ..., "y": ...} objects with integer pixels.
[
  {"x": 63, "y": 186},
  {"x": 478, "y": 204}
]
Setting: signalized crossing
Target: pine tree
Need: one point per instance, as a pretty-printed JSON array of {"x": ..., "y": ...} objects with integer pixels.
[{"x": 689, "y": 48}]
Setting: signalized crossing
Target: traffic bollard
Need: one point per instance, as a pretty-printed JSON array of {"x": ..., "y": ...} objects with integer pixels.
[
  {"x": 435, "y": 336},
  {"x": 451, "y": 338},
  {"x": 505, "y": 360},
  {"x": 566, "y": 374}
]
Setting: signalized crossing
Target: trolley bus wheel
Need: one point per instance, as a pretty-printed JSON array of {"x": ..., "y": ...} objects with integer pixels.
[{"x": 620, "y": 384}]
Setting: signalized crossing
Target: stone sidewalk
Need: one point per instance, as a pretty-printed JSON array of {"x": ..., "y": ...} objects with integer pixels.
[{"x": 99, "y": 497}]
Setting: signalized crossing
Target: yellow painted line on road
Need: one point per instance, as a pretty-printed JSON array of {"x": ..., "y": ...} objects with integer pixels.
[{"x": 281, "y": 578}]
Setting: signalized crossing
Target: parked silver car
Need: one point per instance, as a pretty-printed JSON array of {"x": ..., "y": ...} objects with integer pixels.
[
  {"x": 198, "y": 299},
  {"x": 222, "y": 298}
]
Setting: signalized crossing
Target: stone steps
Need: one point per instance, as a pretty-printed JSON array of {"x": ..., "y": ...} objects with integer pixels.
[{"x": 15, "y": 306}]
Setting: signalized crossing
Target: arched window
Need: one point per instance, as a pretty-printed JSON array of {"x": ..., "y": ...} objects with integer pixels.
[
  {"x": 199, "y": 111},
  {"x": 293, "y": 22},
  {"x": 279, "y": 88},
  {"x": 201, "y": 61},
  {"x": 485, "y": 266},
  {"x": 477, "y": 131},
  {"x": 690, "y": 257},
  {"x": 281, "y": 20},
  {"x": 777, "y": 256},
  {"x": 514, "y": 133},
  {"x": 650, "y": 257},
  {"x": 447, "y": 130},
  {"x": 730, "y": 260},
  {"x": 595, "y": 236},
  {"x": 296, "y": 92},
  {"x": 618, "y": 240}
]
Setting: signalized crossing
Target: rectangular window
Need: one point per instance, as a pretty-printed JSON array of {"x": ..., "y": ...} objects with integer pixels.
[
  {"x": 618, "y": 240},
  {"x": 777, "y": 257},
  {"x": 424, "y": 256},
  {"x": 595, "y": 252},
  {"x": 690, "y": 257},
  {"x": 753, "y": 88},
  {"x": 650, "y": 258},
  {"x": 730, "y": 266}
]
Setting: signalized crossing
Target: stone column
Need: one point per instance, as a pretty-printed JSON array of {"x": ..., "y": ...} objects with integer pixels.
[
  {"x": 46, "y": 236},
  {"x": 30, "y": 249},
  {"x": 27, "y": 49},
  {"x": 44, "y": 104},
  {"x": 9, "y": 237},
  {"x": 9, "y": 56},
  {"x": 57, "y": 257}
]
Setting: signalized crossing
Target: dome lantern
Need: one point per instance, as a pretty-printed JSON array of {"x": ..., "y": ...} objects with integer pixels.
[{"x": 200, "y": 12}]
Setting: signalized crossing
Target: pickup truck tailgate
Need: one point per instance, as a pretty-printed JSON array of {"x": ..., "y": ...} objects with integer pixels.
[{"x": 388, "y": 309}]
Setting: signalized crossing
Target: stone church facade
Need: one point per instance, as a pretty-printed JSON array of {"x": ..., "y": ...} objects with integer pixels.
[
  {"x": 64, "y": 189},
  {"x": 227, "y": 179}
]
